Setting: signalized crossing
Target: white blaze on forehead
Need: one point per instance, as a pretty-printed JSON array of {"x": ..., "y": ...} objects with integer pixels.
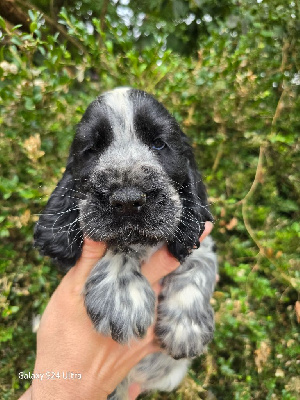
[
  {"x": 126, "y": 150},
  {"x": 120, "y": 110}
]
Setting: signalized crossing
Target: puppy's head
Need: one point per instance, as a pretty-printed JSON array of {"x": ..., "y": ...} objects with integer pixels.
[{"x": 130, "y": 179}]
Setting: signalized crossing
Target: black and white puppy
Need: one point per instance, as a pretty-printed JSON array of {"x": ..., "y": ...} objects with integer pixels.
[{"x": 131, "y": 181}]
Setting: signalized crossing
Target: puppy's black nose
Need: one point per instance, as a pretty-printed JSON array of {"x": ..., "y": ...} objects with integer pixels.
[{"x": 127, "y": 200}]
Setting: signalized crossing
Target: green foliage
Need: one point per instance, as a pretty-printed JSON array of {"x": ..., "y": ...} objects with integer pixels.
[{"x": 238, "y": 100}]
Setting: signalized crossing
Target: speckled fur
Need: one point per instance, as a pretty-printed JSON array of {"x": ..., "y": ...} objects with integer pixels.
[
  {"x": 118, "y": 298},
  {"x": 185, "y": 322}
]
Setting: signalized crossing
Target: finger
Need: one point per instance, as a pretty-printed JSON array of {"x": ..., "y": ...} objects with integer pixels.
[
  {"x": 160, "y": 264},
  {"x": 133, "y": 391},
  {"x": 156, "y": 287},
  {"x": 91, "y": 253},
  {"x": 208, "y": 228}
]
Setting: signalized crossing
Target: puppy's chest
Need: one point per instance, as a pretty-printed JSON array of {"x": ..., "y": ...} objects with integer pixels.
[
  {"x": 124, "y": 258},
  {"x": 136, "y": 251}
]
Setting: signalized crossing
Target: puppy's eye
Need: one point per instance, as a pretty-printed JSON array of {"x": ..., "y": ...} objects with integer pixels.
[
  {"x": 91, "y": 150},
  {"x": 158, "y": 144}
]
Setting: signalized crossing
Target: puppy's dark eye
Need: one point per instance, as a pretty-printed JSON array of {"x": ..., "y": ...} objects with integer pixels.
[
  {"x": 91, "y": 150},
  {"x": 158, "y": 144}
]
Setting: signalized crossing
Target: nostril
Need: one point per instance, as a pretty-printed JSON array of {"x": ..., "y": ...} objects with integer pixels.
[
  {"x": 140, "y": 202},
  {"x": 127, "y": 200},
  {"x": 116, "y": 204}
]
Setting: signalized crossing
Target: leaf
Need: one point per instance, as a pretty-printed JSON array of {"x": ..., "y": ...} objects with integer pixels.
[
  {"x": 6, "y": 334},
  {"x": 33, "y": 26},
  {"x": 29, "y": 105},
  {"x": 16, "y": 41},
  {"x": 32, "y": 145},
  {"x": 261, "y": 355},
  {"x": 109, "y": 45},
  {"x": 16, "y": 27},
  {"x": 232, "y": 224},
  {"x": 2, "y": 23},
  {"x": 31, "y": 15}
]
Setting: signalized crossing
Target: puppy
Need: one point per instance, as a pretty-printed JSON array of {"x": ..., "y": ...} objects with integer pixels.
[{"x": 131, "y": 181}]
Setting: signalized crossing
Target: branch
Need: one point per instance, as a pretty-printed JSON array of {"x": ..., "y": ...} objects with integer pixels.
[
  {"x": 103, "y": 14},
  {"x": 218, "y": 156},
  {"x": 53, "y": 24},
  {"x": 259, "y": 168},
  {"x": 55, "y": 6},
  {"x": 252, "y": 189},
  {"x": 13, "y": 14}
]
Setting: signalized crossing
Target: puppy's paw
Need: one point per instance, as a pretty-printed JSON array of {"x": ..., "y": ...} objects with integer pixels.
[
  {"x": 183, "y": 338},
  {"x": 184, "y": 333},
  {"x": 123, "y": 307}
]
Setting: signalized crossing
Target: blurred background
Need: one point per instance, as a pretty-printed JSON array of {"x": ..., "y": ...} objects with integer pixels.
[{"x": 229, "y": 71}]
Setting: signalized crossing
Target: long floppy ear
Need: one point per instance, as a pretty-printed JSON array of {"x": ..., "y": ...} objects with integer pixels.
[
  {"x": 57, "y": 233},
  {"x": 195, "y": 210}
]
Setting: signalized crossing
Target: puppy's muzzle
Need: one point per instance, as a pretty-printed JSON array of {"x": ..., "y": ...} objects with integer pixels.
[{"x": 127, "y": 201}]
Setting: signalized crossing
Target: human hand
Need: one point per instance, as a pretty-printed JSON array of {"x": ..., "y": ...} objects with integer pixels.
[{"x": 67, "y": 341}]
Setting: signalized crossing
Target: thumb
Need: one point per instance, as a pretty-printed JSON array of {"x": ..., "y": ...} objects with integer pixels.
[
  {"x": 208, "y": 228},
  {"x": 91, "y": 253},
  {"x": 160, "y": 264}
]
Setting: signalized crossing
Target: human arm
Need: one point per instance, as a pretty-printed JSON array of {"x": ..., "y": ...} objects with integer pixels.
[{"x": 67, "y": 341}]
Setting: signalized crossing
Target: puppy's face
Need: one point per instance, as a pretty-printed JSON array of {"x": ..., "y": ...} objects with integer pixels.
[
  {"x": 131, "y": 178},
  {"x": 130, "y": 164}
]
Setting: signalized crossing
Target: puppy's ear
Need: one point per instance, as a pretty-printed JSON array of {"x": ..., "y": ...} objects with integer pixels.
[
  {"x": 195, "y": 210},
  {"x": 57, "y": 233}
]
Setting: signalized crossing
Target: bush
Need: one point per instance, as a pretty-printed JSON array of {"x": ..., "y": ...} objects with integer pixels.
[{"x": 238, "y": 103}]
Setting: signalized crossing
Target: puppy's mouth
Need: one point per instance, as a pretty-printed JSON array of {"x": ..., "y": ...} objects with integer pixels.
[
  {"x": 131, "y": 234},
  {"x": 127, "y": 231}
]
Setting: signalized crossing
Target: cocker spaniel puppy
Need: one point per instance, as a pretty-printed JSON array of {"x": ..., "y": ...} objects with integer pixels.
[{"x": 131, "y": 181}]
